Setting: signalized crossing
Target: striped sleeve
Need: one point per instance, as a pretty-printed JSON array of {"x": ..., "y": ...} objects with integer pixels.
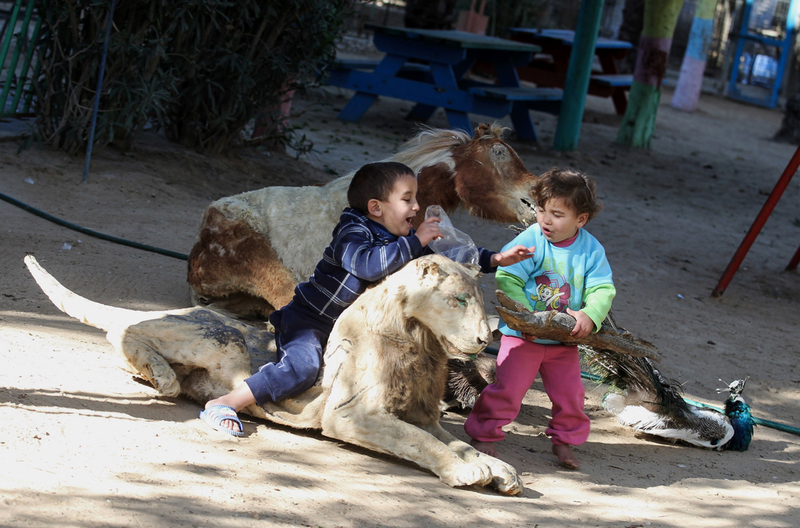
[{"x": 354, "y": 248}]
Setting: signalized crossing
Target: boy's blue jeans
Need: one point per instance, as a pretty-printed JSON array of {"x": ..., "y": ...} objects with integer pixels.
[{"x": 300, "y": 336}]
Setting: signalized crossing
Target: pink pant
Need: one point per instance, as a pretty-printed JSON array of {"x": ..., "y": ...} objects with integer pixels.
[{"x": 518, "y": 361}]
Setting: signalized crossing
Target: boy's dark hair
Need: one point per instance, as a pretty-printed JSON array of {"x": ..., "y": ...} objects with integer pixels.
[
  {"x": 576, "y": 189},
  {"x": 374, "y": 181}
]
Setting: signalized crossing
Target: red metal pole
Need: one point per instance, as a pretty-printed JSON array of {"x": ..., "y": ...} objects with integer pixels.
[
  {"x": 755, "y": 229},
  {"x": 794, "y": 262}
]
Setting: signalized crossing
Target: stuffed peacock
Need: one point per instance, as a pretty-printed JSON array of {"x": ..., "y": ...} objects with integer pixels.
[{"x": 640, "y": 396}]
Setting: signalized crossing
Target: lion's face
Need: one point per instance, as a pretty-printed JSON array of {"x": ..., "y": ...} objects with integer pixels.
[{"x": 447, "y": 299}]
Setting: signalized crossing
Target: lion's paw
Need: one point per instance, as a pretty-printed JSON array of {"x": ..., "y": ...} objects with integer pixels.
[
  {"x": 163, "y": 379},
  {"x": 467, "y": 474},
  {"x": 505, "y": 478}
]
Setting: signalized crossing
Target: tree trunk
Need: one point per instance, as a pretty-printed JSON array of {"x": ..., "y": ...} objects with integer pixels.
[
  {"x": 790, "y": 126},
  {"x": 690, "y": 81},
  {"x": 645, "y": 99},
  {"x": 660, "y": 17},
  {"x": 630, "y": 30}
]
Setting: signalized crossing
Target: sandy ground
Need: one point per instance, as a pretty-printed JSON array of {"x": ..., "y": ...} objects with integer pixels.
[{"x": 84, "y": 444}]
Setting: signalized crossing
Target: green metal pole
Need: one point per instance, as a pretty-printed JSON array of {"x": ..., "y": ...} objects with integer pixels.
[
  {"x": 10, "y": 26},
  {"x": 11, "y": 73},
  {"x": 26, "y": 106},
  {"x": 23, "y": 76},
  {"x": 576, "y": 84}
]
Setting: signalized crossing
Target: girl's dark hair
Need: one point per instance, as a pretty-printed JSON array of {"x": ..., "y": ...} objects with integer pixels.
[
  {"x": 375, "y": 181},
  {"x": 576, "y": 189}
]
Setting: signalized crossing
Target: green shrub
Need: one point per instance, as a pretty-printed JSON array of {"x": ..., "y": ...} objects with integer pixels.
[{"x": 198, "y": 69}]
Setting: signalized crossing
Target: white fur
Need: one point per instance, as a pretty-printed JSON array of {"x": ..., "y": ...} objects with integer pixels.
[
  {"x": 289, "y": 215},
  {"x": 385, "y": 363}
]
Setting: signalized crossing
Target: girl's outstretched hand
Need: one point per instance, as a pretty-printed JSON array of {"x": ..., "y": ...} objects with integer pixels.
[{"x": 512, "y": 255}]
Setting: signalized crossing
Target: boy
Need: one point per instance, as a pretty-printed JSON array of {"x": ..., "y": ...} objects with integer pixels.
[
  {"x": 569, "y": 273},
  {"x": 374, "y": 238}
]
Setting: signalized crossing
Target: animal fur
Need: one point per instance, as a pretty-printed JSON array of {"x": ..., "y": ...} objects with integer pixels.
[
  {"x": 467, "y": 379},
  {"x": 385, "y": 363},
  {"x": 253, "y": 248}
]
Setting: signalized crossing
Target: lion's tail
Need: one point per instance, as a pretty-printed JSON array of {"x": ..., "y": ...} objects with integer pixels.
[{"x": 86, "y": 311}]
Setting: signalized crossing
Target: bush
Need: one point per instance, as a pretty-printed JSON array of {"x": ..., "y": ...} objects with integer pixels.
[{"x": 198, "y": 69}]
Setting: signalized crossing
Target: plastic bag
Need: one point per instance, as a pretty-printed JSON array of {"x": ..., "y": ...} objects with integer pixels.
[{"x": 456, "y": 245}]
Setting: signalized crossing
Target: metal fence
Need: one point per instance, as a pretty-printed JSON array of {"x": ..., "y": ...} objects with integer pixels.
[{"x": 19, "y": 30}]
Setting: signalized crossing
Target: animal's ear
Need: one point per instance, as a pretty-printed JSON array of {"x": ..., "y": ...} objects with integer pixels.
[
  {"x": 489, "y": 130},
  {"x": 482, "y": 130},
  {"x": 428, "y": 272},
  {"x": 427, "y": 266}
]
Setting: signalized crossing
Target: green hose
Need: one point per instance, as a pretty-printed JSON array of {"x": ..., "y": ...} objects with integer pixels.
[
  {"x": 89, "y": 232},
  {"x": 757, "y": 421}
]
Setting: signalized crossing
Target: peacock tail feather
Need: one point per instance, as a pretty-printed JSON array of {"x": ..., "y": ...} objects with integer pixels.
[{"x": 642, "y": 398}]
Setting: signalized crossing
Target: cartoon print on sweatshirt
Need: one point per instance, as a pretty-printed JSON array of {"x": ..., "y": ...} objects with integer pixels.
[{"x": 552, "y": 292}]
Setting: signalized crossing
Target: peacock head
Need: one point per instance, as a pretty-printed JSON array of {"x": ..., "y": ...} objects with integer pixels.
[
  {"x": 738, "y": 412},
  {"x": 735, "y": 388}
]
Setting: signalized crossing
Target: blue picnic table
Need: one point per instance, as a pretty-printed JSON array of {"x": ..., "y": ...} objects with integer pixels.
[{"x": 429, "y": 67}]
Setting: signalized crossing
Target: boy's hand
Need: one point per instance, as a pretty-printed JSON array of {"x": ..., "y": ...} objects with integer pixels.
[
  {"x": 512, "y": 255},
  {"x": 583, "y": 324},
  {"x": 429, "y": 230}
]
